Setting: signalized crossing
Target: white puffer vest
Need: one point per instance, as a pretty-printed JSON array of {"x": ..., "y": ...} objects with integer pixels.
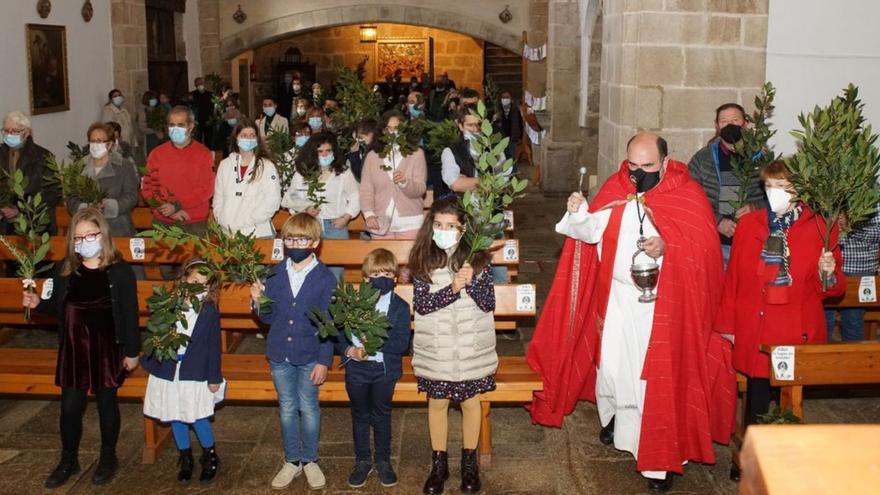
[{"x": 455, "y": 343}]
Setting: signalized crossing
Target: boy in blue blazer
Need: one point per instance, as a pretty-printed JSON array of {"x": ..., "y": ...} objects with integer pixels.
[
  {"x": 370, "y": 380},
  {"x": 298, "y": 358}
]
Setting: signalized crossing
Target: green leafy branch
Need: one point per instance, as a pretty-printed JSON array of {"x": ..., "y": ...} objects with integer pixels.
[
  {"x": 77, "y": 152},
  {"x": 497, "y": 188},
  {"x": 157, "y": 118},
  {"x": 32, "y": 245},
  {"x": 354, "y": 312},
  {"x": 281, "y": 147},
  {"x": 754, "y": 153},
  {"x": 835, "y": 168},
  {"x": 441, "y": 135},
  {"x": 356, "y": 103},
  {"x": 779, "y": 417},
  {"x": 315, "y": 191},
  {"x": 397, "y": 142},
  {"x": 167, "y": 307},
  {"x": 73, "y": 181}
]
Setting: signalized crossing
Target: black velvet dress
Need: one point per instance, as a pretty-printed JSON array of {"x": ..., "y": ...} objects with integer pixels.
[{"x": 89, "y": 357}]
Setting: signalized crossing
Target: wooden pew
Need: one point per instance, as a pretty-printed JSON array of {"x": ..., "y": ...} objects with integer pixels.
[
  {"x": 31, "y": 372},
  {"x": 851, "y": 300},
  {"x": 235, "y": 308},
  {"x": 349, "y": 253}
]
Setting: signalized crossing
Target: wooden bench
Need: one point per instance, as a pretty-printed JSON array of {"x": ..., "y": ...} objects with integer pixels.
[
  {"x": 31, "y": 372},
  {"x": 851, "y": 300},
  {"x": 235, "y": 305},
  {"x": 348, "y": 253}
]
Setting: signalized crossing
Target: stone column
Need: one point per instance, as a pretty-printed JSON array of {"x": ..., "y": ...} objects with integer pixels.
[
  {"x": 209, "y": 38},
  {"x": 667, "y": 64},
  {"x": 129, "y": 20}
]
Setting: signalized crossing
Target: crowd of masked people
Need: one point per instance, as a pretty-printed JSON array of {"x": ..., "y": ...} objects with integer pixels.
[{"x": 203, "y": 157}]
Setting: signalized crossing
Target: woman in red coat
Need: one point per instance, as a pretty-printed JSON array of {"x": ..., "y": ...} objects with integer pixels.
[{"x": 773, "y": 285}]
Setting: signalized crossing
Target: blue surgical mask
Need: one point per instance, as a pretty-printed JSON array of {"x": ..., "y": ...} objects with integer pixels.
[
  {"x": 247, "y": 144},
  {"x": 445, "y": 239},
  {"x": 383, "y": 284},
  {"x": 177, "y": 135},
  {"x": 469, "y": 136},
  {"x": 298, "y": 255},
  {"x": 315, "y": 122},
  {"x": 232, "y": 122},
  {"x": 12, "y": 140},
  {"x": 117, "y": 100},
  {"x": 326, "y": 161},
  {"x": 269, "y": 111},
  {"x": 300, "y": 141},
  {"x": 153, "y": 102},
  {"x": 88, "y": 249},
  {"x": 414, "y": 111}
]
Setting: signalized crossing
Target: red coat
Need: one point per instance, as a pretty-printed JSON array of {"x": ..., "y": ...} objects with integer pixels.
[
  {"x": 186, "y": 174},
  {"x": 746, "y": 311},
  {"x": 690, "y": 398}
]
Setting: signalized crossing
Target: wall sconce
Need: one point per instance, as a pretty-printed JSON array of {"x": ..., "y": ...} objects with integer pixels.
[
  {"x": 369, "y": 34},
  {"x": 505, "y": 16},
  {"x": 239, "y": 16}
]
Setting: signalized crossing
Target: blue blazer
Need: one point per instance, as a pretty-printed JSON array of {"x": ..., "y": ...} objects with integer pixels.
[
  {"x": 395, "y": 346},
  {"x": 201, "y": 362},
  {"x": 292, "y": 335}
]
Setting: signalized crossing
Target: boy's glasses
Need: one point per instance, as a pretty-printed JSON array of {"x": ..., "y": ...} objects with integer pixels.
[
  {"x": 298, "y": 241},
  {"x": 88, "y": 238}
]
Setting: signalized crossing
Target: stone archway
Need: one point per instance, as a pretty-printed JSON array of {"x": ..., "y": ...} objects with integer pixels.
[{"x": 281, "y": 27}]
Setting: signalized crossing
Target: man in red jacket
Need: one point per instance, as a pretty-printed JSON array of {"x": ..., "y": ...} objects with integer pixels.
[
  {"x": 180, "y": 177},
  {"x": 661, "y": 379}
]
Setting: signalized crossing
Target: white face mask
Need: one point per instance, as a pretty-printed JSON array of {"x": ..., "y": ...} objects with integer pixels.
[
  {"x": 445, "y": 239},
  {"x": 88, "y": 249},
  {"x": 778, "y": 199},
  {"x": 97, "y": 150}
]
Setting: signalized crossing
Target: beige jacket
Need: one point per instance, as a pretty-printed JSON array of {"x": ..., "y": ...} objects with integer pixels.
[{"x": 455, "y": 343}]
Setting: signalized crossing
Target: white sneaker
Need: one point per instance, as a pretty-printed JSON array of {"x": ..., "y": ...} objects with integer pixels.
[
  {"x": 288, "y": 472},
  {"x": 314, "y": 476}
]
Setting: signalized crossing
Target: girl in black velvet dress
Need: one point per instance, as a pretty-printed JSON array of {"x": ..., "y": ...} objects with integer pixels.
[{"x": 94, "y": 297}]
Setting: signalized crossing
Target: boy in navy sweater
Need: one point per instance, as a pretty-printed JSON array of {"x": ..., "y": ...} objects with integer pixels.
[
  {"x": 298, "y": 358},
  {"x": 370, "y": 380}
]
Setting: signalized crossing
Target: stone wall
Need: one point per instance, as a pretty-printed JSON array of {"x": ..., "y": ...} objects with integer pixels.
[
  {"x": 667, "y": 64},
  {"x": 128, "y": 19},
  {"x": 459, "y": 55},
  {"x": 209, "y": 39}
]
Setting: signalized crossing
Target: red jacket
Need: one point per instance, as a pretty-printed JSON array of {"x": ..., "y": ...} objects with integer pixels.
[
  {"x": 746, "y": 311},
  {"x": 187, "y": 174}
]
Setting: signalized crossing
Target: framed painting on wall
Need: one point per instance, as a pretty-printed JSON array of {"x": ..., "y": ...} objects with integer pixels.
[
  {"x": 413, "y": 56},
  {"x": 47, "y": 68}
]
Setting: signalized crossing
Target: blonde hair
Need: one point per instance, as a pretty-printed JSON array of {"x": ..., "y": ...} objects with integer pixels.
[
  {"x": 109, "y": 254},
  {"x": 302, "y": 225},
  {"x": 379, "y": 260}
]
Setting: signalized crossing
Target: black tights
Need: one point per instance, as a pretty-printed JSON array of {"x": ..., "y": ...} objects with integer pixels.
[{"x": 73, "y": 406}]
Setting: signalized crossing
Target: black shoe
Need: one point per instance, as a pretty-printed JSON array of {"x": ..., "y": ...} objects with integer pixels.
[
  {"x": 735, "y": 474},
  {"x": 210, "y": 463},
  {"x": 185, "y": 464},
  {"x": 68, "y": 466},
  {"x": 606, "y": 436},
  {"x": 470, "y": 471},
  {"x": 359, "y": 474},
  {"x": 387, "y": 476},
  {"x": 439, "y": 473},
  {"x": 663, "y": 485},
  {"x": 106, "y": 470}
]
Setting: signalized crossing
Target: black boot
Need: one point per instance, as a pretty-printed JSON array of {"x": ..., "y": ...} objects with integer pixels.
[
  {"x": 68, "y": 466},
  {"x": 107, "y": 467},
  {"x": 663, "y": 485},
  {"x": 470, "y": 471},
  {"x": 439, "y": 473},
  {"x": 185, "y": 465},
  {"x": 606, "y": 436},
  {"x": 210, "y": 462}
]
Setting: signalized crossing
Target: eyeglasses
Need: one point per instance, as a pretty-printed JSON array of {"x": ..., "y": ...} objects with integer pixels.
[
  {"x": 99, "y": 141},
  {"x": 13, "y": 131},
  {"x": 298, "y": 241},
  {"x": 88, "y": 238}
]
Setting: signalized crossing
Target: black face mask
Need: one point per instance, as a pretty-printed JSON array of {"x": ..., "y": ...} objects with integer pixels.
[
  {"x": 297, "y": 255},
  {"x": 731, "y": 133},
  {"x": 383, "y": 284},
  {"x": 644, "y": 181}
]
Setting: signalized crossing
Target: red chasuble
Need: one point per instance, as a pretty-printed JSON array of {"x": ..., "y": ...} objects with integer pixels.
[{"x": 690, "y": 398}]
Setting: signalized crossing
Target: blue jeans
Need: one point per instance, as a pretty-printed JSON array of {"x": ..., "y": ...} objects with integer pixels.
[
  {"x": 297, "y": 400},
  {"x": 852, "y": 323},
  {"x": 331, "y": 232},
  {"x": 499, "y": 274},
  {"x": 725, "y": 254},
  {"x": 370, "y": 391}
]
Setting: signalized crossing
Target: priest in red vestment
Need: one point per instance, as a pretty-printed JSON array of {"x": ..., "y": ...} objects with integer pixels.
[{"x": 662, "y": 380}]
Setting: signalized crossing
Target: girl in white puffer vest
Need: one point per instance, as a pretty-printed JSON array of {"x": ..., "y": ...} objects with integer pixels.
[{"x": 454, "y": 355}]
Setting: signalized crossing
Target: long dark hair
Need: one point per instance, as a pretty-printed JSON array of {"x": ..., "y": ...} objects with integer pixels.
[
  {"x": 260, "y": 152},
  {"x": 425, "y": 256},
  {"x": 371, "y": 126},
  {"x": 307, "y": 158},
  {"x": 410, "y": 137}
]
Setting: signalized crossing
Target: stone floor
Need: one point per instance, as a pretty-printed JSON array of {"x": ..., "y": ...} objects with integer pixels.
[{"x": 527, "y": 459}]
